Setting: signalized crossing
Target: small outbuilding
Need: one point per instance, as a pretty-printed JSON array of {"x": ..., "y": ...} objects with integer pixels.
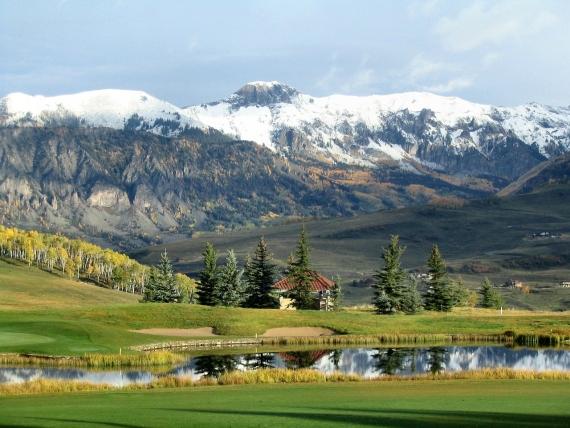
[
  {"x": 513, "y": 283},
  {"x": 321, "y": 289}
]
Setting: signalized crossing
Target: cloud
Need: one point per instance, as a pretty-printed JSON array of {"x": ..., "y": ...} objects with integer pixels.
[
  {"x": 485, "y": 23},
  {"x": 450, "y": 86},
  {"x": 426, "y": 74},
  {"x": 337, "y": 78},
  {"x": 421, "y": 67},
  {"x": 361, "y": 79},
  {"x": 423, "y": 7}
]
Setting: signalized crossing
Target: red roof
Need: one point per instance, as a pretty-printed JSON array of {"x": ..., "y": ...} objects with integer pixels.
[{"x": 319, "y": 283}]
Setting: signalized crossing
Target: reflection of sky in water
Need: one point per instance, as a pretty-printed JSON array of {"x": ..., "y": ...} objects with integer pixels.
[{"x": 363, "y": 361}]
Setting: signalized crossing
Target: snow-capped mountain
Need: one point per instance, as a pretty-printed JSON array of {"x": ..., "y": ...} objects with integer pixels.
[
  {"x": 109, "y": 108},
  {"x": 415, "y": 130},
  {"x": 408, "y": 128}
]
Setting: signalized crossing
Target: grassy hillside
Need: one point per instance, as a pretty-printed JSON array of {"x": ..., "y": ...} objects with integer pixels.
[
  {"x": 482, "y": 238},
  {"x": 23, "y": 287},
  {"x": 106, "y": 328},
  {"x": 387, "y": 404}
]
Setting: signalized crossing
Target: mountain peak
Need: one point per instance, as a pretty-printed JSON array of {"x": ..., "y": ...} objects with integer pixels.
[{"x": 263, "y": 93}]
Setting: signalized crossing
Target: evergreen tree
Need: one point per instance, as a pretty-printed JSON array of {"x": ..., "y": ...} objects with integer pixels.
[
  {"x": 166, "y": 290},
  {"x": 161, "y": 285},
  {"x": 336, "y": 294},
  {"x": 300, "y": 273},
  {"x": 412, "y": 301},
  {"x": 249, "y": 280},
  {"x": 150, "y": 286},
  {"x": 490, "y": 298},
  {"x": 390, "y": 289},
  {"x": 209, "y": 276},
  {"x": 229, "y": 290},
  {"x": 439, "y": 296},
  {"x": 459, "y": 293},
  {"x": 260, "y": 274}
]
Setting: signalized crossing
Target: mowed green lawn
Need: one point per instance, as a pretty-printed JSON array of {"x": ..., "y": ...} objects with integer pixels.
[
  {"x": 389, "y": 404},
  {"x": 84, "y": 318}
]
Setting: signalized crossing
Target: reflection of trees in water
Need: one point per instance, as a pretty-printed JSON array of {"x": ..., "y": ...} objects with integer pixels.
[
  {"x": 335, "y": 357},
  {"x": 390, "y": 361},
  {"x": 261, "y": 360},
  {"x": 215, "y": 365},
  {"x": 436, "y": 359},
  {"x": 302, "y": 359}
]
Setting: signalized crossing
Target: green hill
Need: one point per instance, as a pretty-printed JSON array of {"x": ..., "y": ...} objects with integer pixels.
[{"x": 23, "y": 287}]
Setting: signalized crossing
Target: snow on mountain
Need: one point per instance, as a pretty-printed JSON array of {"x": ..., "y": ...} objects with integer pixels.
[
  {"x": 110, "y": 108},
  {"x": 412, "y": 129},
  {"x": 369, "y": 129}
]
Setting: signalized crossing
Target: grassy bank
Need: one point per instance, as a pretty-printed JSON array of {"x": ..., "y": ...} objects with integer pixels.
[
  {"x": 156, "y": 358},
  {"x": 107, "y": 328},
  {"x": 275, "y": 376},
  {"x": 433, "y": 403}
]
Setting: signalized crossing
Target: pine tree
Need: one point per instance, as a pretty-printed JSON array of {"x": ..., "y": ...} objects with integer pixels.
[
  {"x": 261, "y": 277},
  {"x": 209, "y": 276},
  {"x": 249, "y": 280},
  {"x": 161, "y": 284},
  {"x": 300, "y": 273},
  {"x": 150, "y": 286},
  {"x": 389, "y": 287},
  {"x": 229, "y": 290},
  {"x": 336, "y": 294},
  {"x": 439, "y": 296},
  {"x": 412, "y": 301},
  {"x": 490, "y": 298},
  {"x": 166, "y": 289}
]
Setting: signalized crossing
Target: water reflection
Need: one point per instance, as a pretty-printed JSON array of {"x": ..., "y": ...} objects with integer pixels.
[{"x": 363, "y": 361}]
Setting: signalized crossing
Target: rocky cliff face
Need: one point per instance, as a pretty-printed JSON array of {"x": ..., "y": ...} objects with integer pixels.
[{"x": 128, "y": 188}]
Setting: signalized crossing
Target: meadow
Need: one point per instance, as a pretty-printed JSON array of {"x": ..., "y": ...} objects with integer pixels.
[
  {"x": 87, "y": 319},
  {"x": 433, "y": 403}
]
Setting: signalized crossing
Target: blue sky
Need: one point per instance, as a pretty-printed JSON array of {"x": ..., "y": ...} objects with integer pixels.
[{"x": 501, "y": 52}]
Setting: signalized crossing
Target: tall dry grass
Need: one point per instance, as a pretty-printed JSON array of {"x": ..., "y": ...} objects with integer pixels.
[
  {"x": 155, "y": 358},
  {"x": 277, "y": 376}
]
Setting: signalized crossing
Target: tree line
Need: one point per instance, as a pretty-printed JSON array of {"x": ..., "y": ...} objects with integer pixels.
[
  {"x": 78, "y": 259},
  {"x": 395, "y": 291},
  {"x": 253, "y": 285}
]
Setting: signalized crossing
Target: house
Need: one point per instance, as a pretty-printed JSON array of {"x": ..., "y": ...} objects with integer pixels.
[
  {"x": 565, "y": 284},
  {"x": 513, "y": 283},
  {"x": 321, "y": 288}
]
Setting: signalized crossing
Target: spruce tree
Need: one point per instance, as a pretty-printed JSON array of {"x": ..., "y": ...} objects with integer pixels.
[
  {"x": 439, "y": 295},
  {"x": 300, "y": 273},
  {"x": 161, "y": 284},
  {"x": 249, "y": 280},
  {"x": 389, "y": 287},
  {"x": 412, "y": 301},
  {"x": 336, "y": 294},
  {"x": 261, "y": 277},
  {"x": 490, "y": 298},
  {"x": 229, "y": 290},
  {"x": 209, "y": 276},
  {"x": 150, "y": 286}
]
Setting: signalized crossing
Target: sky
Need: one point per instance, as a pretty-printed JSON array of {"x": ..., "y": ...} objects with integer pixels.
[{"x": 502, "y": 52}]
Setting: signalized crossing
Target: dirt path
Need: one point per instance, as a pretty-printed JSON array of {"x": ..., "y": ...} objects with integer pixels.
[
  {"x": 298, "y": 332},
  {"x": 179, "y": 332}
]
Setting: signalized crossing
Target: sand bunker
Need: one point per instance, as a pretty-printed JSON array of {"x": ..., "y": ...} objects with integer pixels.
[
  {"x": 180, "y": 332},
  {"x": 298, "y": 332}
]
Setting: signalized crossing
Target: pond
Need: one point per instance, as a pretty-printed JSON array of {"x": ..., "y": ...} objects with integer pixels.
[{"x": 367, "y": 362}]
